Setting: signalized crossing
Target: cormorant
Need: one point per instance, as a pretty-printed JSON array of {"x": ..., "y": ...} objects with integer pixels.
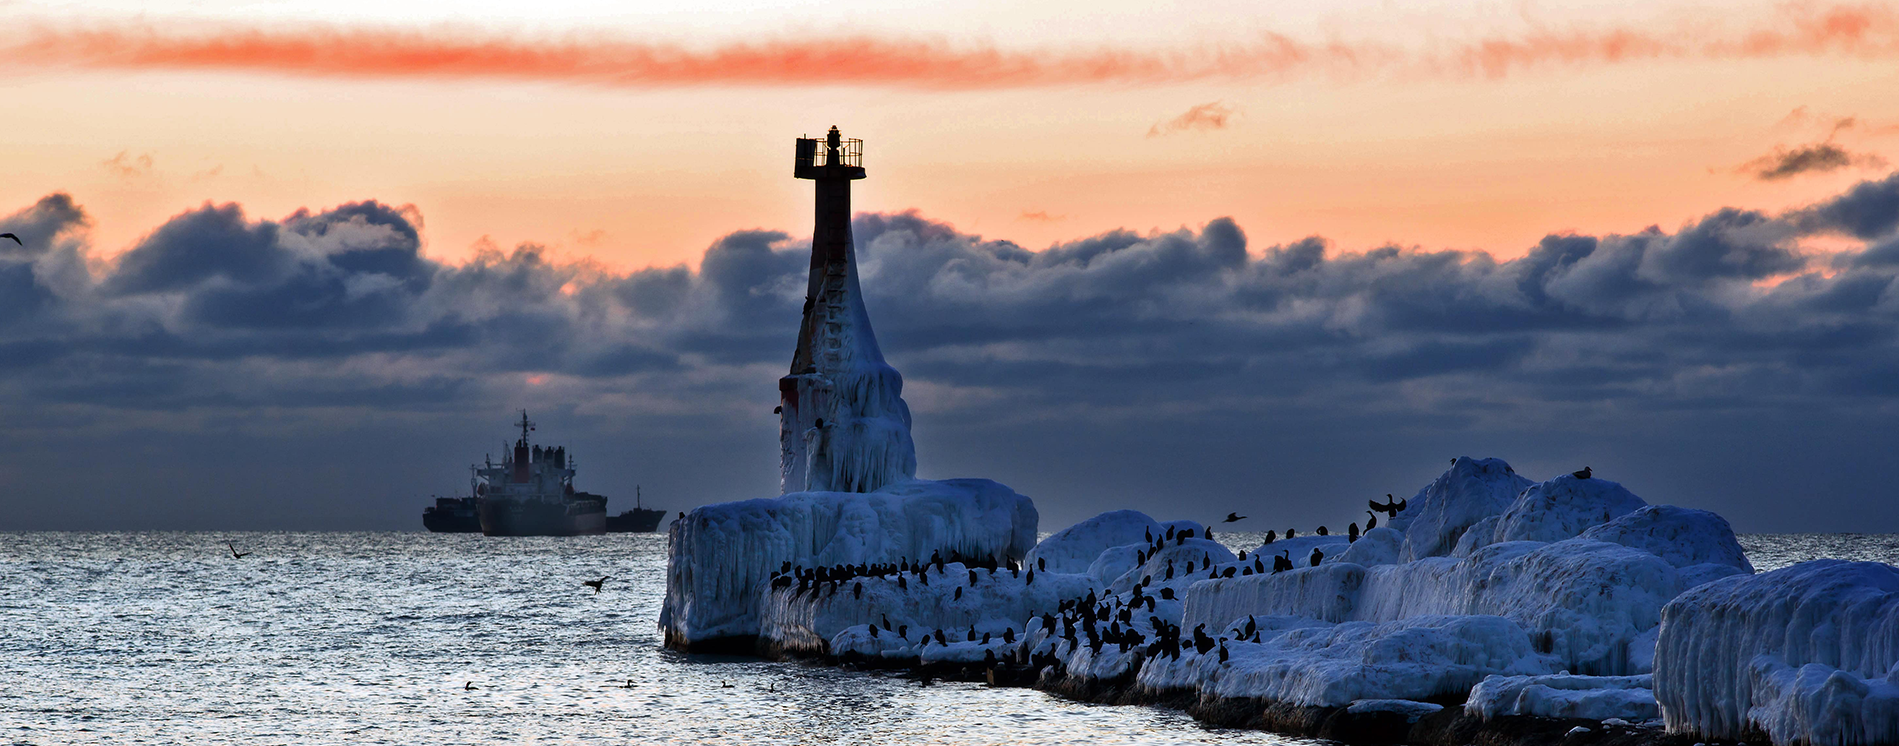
[
  {"x": 16, "y": 239},
  {"x": 1231, "y": 517},
  {"x": 1584, "y": 474},
  {"x": 1373, "y": 523},
  {"x": 469, "y": 687},
  {"x": 595, "y": 584},
  {"x": 778, "y": 410},
  {"x": 1316, "y": 556},
  {"x": 1391, "y": 506},
  {"x": 1322, "y": 531},
  {"x": 1352, "y": 532},
  {"x": 959, "y": 593},
  {"x": 234, "y": 553},
  {"x": 1271, "y": 536}
]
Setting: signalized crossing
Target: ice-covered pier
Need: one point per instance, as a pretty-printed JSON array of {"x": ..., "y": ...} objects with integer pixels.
[{"x": 1492, "y": 608}]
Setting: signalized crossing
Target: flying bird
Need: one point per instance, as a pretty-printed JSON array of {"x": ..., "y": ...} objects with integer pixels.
[
  {"x": 234, "y": 553},
  {"x": 16, "y": 239},
  {"x": 595, "y": 584},
  {"x": 1231, "y": 517}
]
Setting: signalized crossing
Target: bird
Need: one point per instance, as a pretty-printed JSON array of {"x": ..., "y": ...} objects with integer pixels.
[
  {"x": 1373, "y": 523},
  {"x": 234, "y": 553},
  {"x": 725, "y": 685},
  {"x": 1231, "y": 517},
  {"x": 1271, "y": 536},
  {"x": 1291, "y": 532},
  {"x": 1322, "y": 531},
  {"x": 1352, "y": 532},
  {"x": 1391, "y": 506},
  {"x": 628, "y": 685},
  {"x": 16, "y": 239},
  {"x": 595, "y": 584},
  {"x": 857, "y": 591},
  {"x": 469, "y": 687},
  {"x": 778, "y": 410},
  {"x": 1584, "y": 474},
  {"x": 959, "y": 593},
  {"x": 1317, "y": 556}
]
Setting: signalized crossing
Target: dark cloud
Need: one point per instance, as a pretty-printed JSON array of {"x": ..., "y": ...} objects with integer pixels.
[
  {"x": 1174, "y": 371},
  {"x": 1817, "y": 158}
]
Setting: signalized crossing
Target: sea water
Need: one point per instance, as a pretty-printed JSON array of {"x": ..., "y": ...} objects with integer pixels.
[{"x": 412, "y": 638}]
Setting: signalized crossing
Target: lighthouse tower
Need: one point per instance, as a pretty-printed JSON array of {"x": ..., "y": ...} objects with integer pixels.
[{"x": 843, "y": 425}]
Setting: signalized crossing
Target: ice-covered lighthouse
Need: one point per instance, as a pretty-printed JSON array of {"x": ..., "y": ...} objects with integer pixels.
[
  {"x": 850, "y": 496},
  {"x": 843, "y": 425}
]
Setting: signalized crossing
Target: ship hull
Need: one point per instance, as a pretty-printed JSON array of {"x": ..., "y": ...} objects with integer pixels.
[
  {"x": 536, "y": 518},
  {"x": 636, "y": 521},
  {"x": 451, "y": 523}
]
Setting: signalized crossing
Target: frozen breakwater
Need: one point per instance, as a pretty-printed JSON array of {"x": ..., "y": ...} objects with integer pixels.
[{"x": 1574, "y": 613}]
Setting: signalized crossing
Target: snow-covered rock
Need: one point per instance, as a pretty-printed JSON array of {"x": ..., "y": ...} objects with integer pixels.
[
  {"x": 1682, "y": 536},
  {"x": 1807, "y": 654},
  {"x": 722, "y": 556},
  {"x": 1564, "y": 507},
  {"x": 1472, "y": 490},
  {"x": 1074, "y": 549},
  {"x": 1379, "y": 546},
  {"x": 1299, "y": 549},
  {"x": 1335, "y": 665},
  {"x": 1178, "y": 554},
  {"x": 1114, "y": 562},
  {"x": 1564, "y": 696},
  {"x": 1328, "y": 593},
  {"x": 1584, "y": 601}
]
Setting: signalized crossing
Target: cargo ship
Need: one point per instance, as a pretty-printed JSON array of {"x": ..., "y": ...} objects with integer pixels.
[
  {"x": 531, "y": 493},
  {"x": 453, "y": 515},
  {"x": 639, "y": 520}
]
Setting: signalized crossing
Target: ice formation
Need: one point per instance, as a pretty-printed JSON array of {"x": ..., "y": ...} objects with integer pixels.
[
  {"x": 1335, "y": 665},
  {"x": 1564, "y": 696},
  {"x": 722, "y": 555},
  {"x": 1473, "y": 489},
  {"x": 1074, "y": 549},
  {"x": 1805, "y": 654}
]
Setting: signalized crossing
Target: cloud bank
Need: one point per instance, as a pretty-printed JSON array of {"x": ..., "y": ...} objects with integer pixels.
[
  {"x": 368, "y": 52},
  {"x": 319, "y": 370}
]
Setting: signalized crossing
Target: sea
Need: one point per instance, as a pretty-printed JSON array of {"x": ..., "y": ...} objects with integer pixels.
[{"x": 416, "y": 638}]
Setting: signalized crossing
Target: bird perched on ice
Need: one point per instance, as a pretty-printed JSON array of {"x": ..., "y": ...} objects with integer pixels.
[
  {"x": 1231, "y": 517},
  {"x": 1317, "y": 556},
  {"x": 1373, "y": 523},
  {"x": 1352, "y": 532},
  {"x": 1322, "y": 531},
  {"x": 1584, "y": 474},
  {"x": 595, "y": 584},
  {"x": 1271, "y": 536},
  {"x": 1391, "y": 506}
]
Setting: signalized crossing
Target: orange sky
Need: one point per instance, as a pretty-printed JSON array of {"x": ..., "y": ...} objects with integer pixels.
[{"x": 638, "y": 139}]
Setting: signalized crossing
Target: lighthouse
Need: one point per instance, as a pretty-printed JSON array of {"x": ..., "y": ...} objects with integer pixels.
[{"x": 843, "y": 424}]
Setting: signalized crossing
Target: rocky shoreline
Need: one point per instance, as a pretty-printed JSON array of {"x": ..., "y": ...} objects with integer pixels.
[{"x": 1449, "y": 725}]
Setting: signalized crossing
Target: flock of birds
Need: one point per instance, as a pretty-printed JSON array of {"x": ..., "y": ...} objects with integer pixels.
[{"x": 1098, "y": 620}]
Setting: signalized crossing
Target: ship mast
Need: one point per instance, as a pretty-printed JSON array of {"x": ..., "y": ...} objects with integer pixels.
[{"x": 525, "y": 426}]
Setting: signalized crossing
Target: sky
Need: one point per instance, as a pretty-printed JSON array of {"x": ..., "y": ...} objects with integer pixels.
[{"x": 296, "y": 266}]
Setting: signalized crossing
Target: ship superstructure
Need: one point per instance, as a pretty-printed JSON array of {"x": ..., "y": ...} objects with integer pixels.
[{"x": 531, "y": 493}]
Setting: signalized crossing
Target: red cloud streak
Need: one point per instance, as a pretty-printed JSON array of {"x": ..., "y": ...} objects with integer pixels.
[{"x": 379, "y": 53}]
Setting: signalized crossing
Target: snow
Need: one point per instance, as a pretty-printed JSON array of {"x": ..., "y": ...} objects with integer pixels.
[
  {"x": 1806, "y": 654},
  {"x": 1379, "y": 546},
  {"x": 1472, "y": 490},
  {"x": 1328, "y": 592},
  {"x": 1115, "y": 562},
  {"x": 1074, "y": 549},
  {"x": 1683, "y": 537},
  {"x": 722, "y": 556},
  {"x": 1564, "y": 507},
  {"x": 1336, "y": 665},
  {"x": 1412, "y": 711},
  {"x": 1564, "y": 696},
  {"x": 1299, "y": 549},
  {"x": 1179, "y": 553}
]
